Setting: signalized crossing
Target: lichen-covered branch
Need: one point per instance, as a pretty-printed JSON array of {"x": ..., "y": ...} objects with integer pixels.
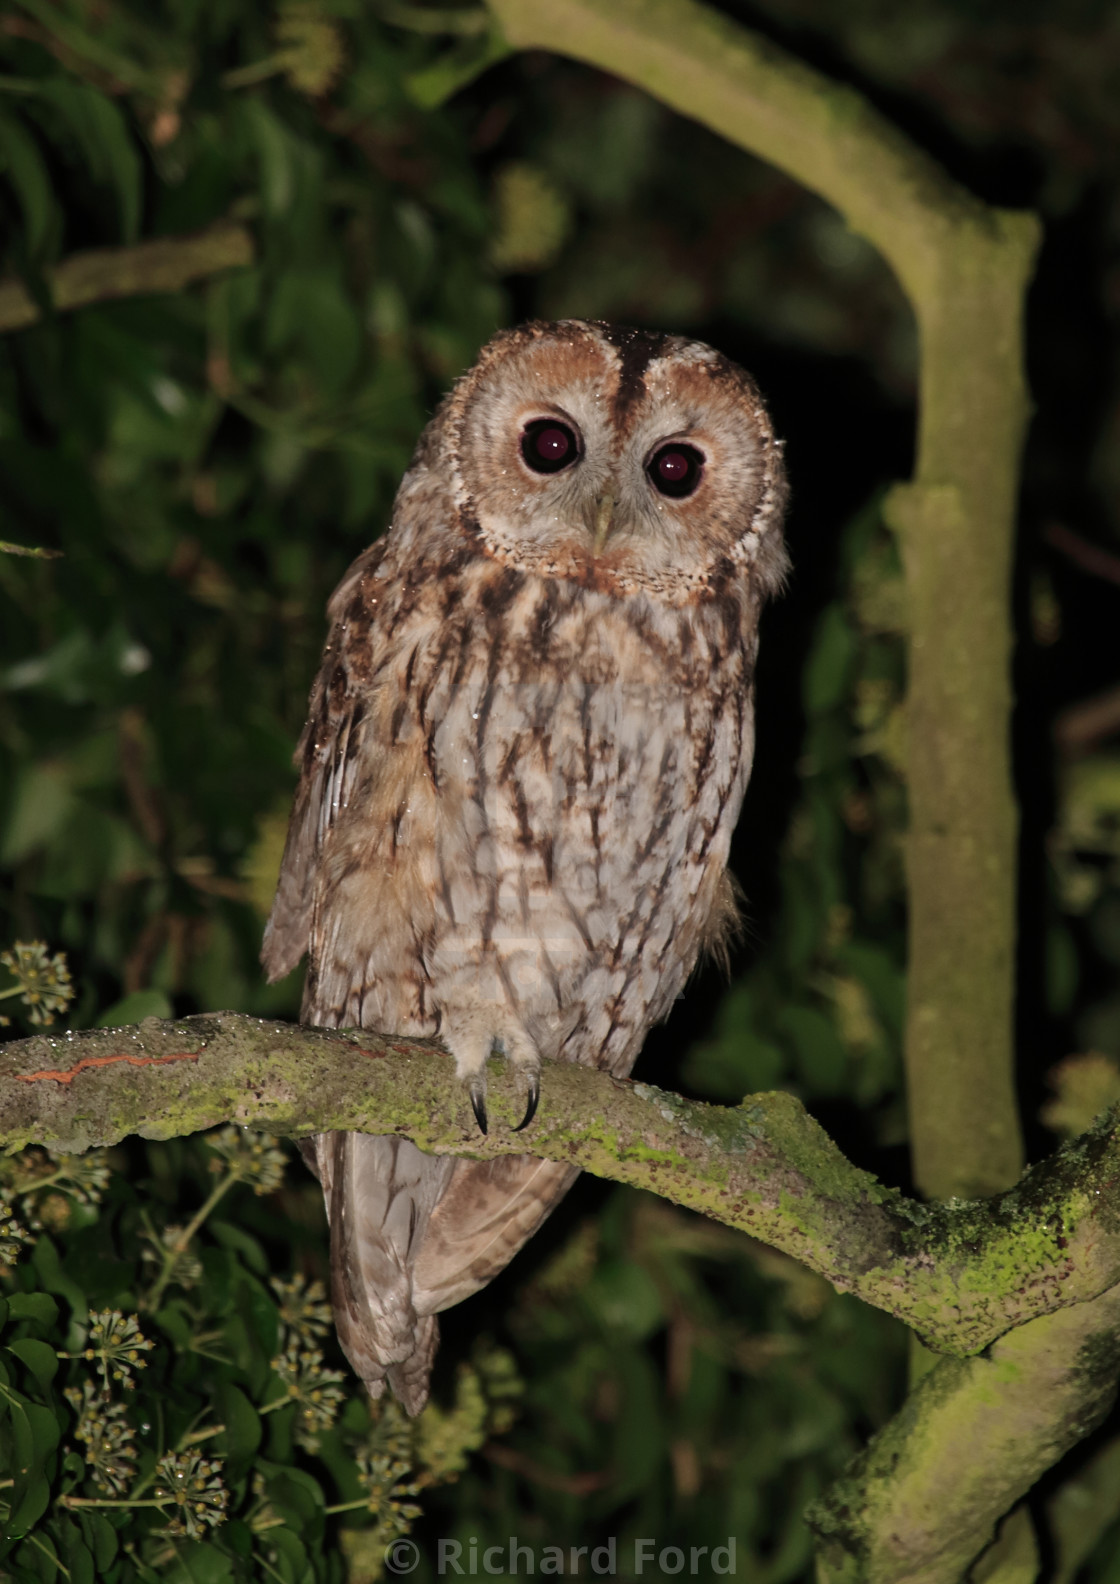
[
  {"x": 962, "y": 1274},
  {"x": 923, "y": 1500},
  {"x": 165, "y": 264}
]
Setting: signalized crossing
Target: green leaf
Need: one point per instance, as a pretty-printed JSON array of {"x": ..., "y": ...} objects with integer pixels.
[
  {"x": 40, "y": 1359},
  {"x": 291, "y": 1556},
  {"x": 79, "y": 1559},
  {"x": 45, "y": 1262},
  {"x": 242, "y": 1422},
  {"x": 104, "y": 142},
  {"x": 197, "y": 1562},
  {"x": 135, "y": 1008},
  {"x": 822, "y": 1061},
  {"x": 89, "y": 47},
  {"x": 232, "y": 1237},
  {"x": 275, "y": 151},
  {"x": 826, "y": 679},
  {"x": 36, "y": 1435},
  {"x": 294, "y": 1494},
  {"x": 625, "y": 1299},
  {"x": 40, "y": 802},
  {"x": 100, "y": 1537},
  {"x": 38, "y": 1558},
  {"x": 37, "y": 1306},
  {"x": 433, "y": 85},
  {"x": 22, "y": 163},
  {"x": 639, "y": 1439}
]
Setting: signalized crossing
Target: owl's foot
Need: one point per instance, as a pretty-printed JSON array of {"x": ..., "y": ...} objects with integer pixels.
[
  {"x": 534, "y": 1101},
  {"x": 470, "y": 1066},
  {"x": 477, "y": 1092}
]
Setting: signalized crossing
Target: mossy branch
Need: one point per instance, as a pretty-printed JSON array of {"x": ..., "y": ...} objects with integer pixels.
[
  {"x": 961, "y": 1274},
  {"x": 924, "y": 1499},
  {"x": 165, "y": 264}
]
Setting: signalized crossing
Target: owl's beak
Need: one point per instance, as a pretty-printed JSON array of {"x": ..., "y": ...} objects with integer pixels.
[{"x": 603, "y": 521}]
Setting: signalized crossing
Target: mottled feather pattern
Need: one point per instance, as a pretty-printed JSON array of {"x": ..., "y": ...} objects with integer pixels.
[{"x": 526, "y": 751}]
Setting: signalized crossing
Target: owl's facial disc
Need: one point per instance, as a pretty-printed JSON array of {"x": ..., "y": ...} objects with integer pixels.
[{"x": 639, "y": 461}]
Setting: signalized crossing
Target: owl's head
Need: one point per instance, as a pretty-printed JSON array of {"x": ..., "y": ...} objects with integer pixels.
[{"x": 625, "y": 459}]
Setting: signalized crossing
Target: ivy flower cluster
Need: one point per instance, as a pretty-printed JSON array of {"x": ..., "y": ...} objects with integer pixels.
[
  {"x": 47, "y": 1185},
  {"x": 249, "y": 1157},
  {"x": 313, "y": 1387},
  {"x": 193, "y": 1485},
  {"x": 305, "y": 1312},
  {"x": 167, "y": 1250},
  {"x": 116, "y": 1341},
  {"x": 43, "y": 982},
  {"x": 109, "y": 1439},
  {"x": 381, "y": 1477},
  {"x": 13, "y": 1236}
]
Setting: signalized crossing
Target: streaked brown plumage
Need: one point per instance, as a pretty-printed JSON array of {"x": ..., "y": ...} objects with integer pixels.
[{"x": 526, "y": 751}]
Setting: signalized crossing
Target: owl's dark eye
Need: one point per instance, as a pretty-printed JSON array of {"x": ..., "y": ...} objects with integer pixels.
[
  {"x": 549, "y": 446},
  {"x": 675, "y": 470}
]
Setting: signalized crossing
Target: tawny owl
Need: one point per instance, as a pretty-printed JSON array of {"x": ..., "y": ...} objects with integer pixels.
[{"x": 526, "y": 750}]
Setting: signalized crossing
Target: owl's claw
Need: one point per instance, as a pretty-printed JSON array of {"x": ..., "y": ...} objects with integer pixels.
[
  {"x": 478, "y": 1104},
  {"x": 534, "y": 1101}
]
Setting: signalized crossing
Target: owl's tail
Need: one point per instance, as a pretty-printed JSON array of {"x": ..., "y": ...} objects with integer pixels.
[
  {"x": 412, "y": 1234},
  {"x": 379, "y": 1194}
]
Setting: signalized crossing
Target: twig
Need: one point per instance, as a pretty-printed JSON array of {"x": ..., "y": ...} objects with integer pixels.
[
  {"x": 1089, "y": 557},
  {"x": 1080, "y": 727},
  {"x": 432, "y": 19},
  {"x": 167, "y": 264},
  {"x": 40, "y": 552}
]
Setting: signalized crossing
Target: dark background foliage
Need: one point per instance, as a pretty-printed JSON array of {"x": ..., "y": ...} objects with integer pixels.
[{"x": 208, "y": 463}]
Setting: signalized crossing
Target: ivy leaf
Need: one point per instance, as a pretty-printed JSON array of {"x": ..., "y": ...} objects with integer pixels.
[
  {"x": 35, "y": 1435},
  {"x": 37, "y": 1306},
  {"x": 198, "y": 1562},
  {"x": 243, "y": 1425},
  {"x": 40, "y": 1359},
  {"x": 79, "y": 1560},
  {"x": 100, "y": 1538}
]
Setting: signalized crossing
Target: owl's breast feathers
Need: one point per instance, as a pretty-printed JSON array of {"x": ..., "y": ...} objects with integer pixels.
[{"x": 514, "y": 790}]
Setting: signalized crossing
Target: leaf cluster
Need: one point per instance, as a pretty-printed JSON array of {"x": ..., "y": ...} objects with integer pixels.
[{"x": 171, "y": 1408}]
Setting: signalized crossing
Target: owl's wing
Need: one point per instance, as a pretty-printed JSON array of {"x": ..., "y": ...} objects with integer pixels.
[
  {"x": 486, "y": 1213},
  {"x": 328, "y": 762}
]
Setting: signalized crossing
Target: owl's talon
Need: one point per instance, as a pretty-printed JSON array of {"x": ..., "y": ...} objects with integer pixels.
[
  {"x": 534, "y": 1101},
  {"x": 478, "y": 1106}
]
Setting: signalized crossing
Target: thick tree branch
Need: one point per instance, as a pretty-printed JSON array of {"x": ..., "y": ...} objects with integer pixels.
[
  {"x": 972, "y": 1438},
  {"x": 167, "y": 264},
  {"x": 961, "y": 1274}
]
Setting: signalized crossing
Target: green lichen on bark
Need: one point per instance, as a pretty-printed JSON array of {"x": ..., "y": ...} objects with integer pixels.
[{"x": 961, "y": 1273}]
